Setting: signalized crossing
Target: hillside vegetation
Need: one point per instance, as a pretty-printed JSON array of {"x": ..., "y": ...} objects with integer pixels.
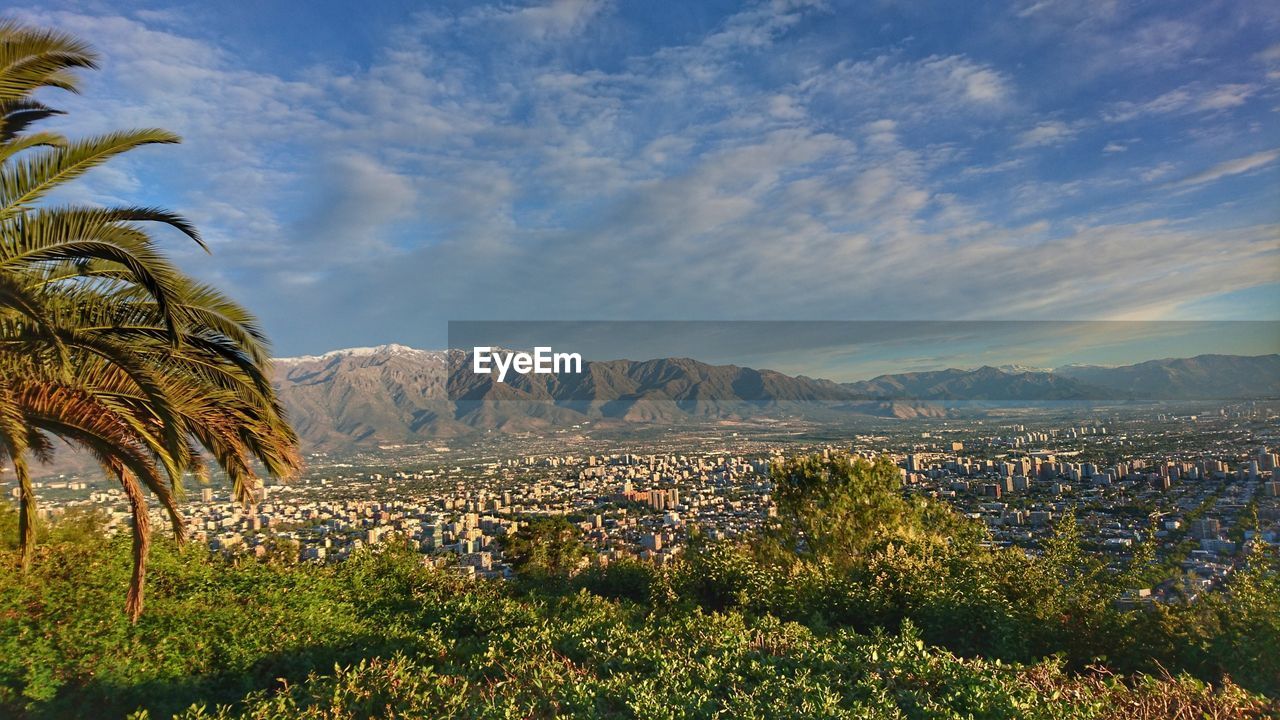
[{"x": 858, "y": 603}]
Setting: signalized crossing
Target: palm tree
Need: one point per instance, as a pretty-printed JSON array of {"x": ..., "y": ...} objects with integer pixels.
[{"x": 104, "y": 343}]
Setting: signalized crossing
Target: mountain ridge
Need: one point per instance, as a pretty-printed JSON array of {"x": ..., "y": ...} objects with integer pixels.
[{"x": 396, "y": 394}]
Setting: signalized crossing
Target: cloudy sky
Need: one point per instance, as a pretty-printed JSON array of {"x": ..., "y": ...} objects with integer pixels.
[{"x": 366, "y": 172}]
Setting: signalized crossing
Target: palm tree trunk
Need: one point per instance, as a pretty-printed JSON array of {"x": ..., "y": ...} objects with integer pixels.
[
  {"x": 141, "y": 543},
  {"x": 26, "y": 511}
]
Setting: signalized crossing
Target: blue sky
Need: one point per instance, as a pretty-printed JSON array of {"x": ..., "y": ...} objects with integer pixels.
[{"x": 367, "y": 172}]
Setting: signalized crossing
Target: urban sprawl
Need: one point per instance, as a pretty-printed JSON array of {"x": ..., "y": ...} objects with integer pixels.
[{"x": 1202, "y": 486}]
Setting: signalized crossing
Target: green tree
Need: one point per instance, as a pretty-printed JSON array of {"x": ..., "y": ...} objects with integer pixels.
[
  {"x": 103, "y": 342},
  {"x": 1073, "y": 593},
  {"x": 839, "y": 510},
  {"x": 545, "y": 548},
  {"x": 1249, "y": 622}
]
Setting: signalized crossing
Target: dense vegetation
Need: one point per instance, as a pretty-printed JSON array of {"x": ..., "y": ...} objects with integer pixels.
[{"x": 917, "y": 624}]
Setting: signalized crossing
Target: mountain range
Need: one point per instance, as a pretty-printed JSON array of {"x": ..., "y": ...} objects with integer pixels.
[{"x": 393, "y": 394}]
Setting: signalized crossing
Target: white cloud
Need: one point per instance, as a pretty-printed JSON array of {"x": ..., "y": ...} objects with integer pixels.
[
  {"x": 784, "y": 107},
  {"x": 993, "y": 167},
  {"x": 555, "y": 20},
  {"x": 882, "y": 133},
  {"x": 1231, "y": 167},
  {"x": 1160, "y": 42},
  {"x": 976, "y": 83},
  {"x": 1160, "y": 170},
  {"x": 935, "y": 89},
  {"x": 982, "y": 85},
  {"x": 1190, "y": 98},
  {"x": 1225, "y": 96},
  {"x": 1070, "y": 12},
  {"x": 1049, "y": 132}
]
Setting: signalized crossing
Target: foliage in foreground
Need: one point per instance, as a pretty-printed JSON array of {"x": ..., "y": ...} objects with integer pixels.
[
  {"x": 383, "y": 636},
  {"x": 849, "y": 551}
]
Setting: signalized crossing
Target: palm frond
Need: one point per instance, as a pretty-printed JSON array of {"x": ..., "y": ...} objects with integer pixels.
[{"x": 30, "y": 178}]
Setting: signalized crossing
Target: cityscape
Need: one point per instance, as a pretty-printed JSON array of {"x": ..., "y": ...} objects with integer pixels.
[{"x": 1201, "y": 486}]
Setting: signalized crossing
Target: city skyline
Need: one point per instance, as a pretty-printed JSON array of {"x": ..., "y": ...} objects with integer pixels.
[{"x": 372, "y": 175}]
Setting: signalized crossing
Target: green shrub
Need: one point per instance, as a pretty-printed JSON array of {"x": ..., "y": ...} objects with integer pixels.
[{"x": 382, "y": 635}]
